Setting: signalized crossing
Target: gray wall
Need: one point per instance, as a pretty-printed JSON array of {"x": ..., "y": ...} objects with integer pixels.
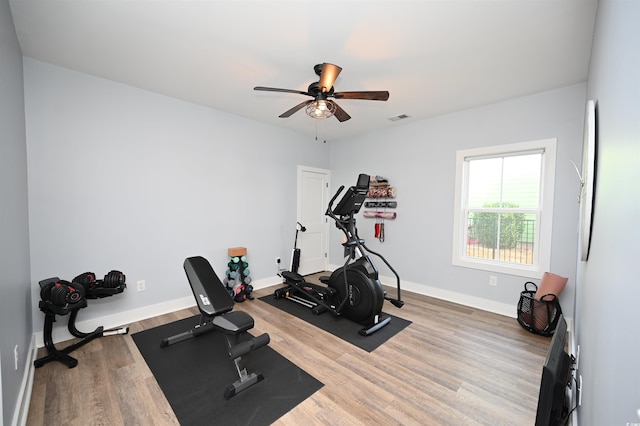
[
  {"x": 419, "y": 160},
  {"x": 15, "y": 281},
  {"x": 609, "y": 289},
  {"x": 121, "y": 178}
]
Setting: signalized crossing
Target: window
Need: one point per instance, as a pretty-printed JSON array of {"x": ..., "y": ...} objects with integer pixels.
[{"x": 504, "y": 207}]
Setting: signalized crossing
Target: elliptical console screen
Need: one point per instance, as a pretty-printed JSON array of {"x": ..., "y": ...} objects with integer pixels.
[{"x": 352, "y": 200}]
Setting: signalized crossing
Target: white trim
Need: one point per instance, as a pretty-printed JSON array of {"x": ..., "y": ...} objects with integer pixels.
[
  {"x": 61, "y": 333},
  {"x": 111, "y": 321},
  {"x": 21, "y": 411},
  {"x": 266, "y": 282},
  {"x": 509, "y": 310},
  {"x": 325, "y": 229},
  {"x": 507, "y": 153},
  {"x": 546, "y": 206},
  {"x": 505, "y": 309},
  {"x": 573, "y": 389}
]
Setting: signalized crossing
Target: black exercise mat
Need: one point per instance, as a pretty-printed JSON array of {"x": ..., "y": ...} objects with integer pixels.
[
  {"x": 193, "y": 375},
  {"x": 340, "y": 327}
]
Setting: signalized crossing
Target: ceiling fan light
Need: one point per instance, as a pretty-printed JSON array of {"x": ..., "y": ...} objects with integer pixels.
[{"x": 321, "y": 109}]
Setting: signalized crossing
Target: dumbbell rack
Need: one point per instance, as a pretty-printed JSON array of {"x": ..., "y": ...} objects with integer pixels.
[
  {"x": 51, "y": 310},
  {"x": 237, "y": 279}
]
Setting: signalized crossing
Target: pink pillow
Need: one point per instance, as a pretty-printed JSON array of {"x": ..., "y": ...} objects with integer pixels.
[{"x": 551, "y": 284}]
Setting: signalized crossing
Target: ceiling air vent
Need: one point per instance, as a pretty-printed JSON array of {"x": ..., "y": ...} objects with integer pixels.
[{"x": 399, "y": 117}]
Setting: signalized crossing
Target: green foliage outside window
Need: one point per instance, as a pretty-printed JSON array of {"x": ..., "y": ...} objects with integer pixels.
[{"x": 485, "y": 227}]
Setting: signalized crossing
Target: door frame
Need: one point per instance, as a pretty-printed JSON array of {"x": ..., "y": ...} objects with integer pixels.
[{"x": 325, "y": 228}]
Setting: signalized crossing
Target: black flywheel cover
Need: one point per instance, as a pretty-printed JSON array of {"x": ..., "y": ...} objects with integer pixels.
[{"x": 365, "y": 296}]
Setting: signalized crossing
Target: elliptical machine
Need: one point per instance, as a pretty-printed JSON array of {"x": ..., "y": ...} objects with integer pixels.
[{"x": 353, "y": 290}]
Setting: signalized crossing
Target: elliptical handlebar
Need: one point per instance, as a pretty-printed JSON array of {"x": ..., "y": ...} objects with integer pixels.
[
  {"x": 329, "y": 209},
  {"x": 331, "y": 213}
]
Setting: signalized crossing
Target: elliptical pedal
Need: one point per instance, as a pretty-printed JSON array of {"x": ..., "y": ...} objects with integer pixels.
[
  {"x": 367, "y": 331},
  {"x": 318, "y": 309}
]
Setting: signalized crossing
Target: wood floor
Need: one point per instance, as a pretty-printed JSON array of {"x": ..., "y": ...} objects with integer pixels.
[{"x": 453, "y": 365}]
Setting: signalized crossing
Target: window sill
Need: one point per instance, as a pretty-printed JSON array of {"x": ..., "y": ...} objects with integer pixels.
[{"x": 526, "y": 271}]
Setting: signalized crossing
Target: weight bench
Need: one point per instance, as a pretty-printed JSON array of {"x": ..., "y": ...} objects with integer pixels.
[{"x": 215, "y": 305}]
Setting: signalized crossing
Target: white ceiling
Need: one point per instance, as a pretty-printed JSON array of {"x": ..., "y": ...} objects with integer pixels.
[{"x": 434, "y": 57}]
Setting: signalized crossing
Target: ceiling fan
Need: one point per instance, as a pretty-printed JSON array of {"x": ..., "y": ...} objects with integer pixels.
[{"x": 320, "y": 106}]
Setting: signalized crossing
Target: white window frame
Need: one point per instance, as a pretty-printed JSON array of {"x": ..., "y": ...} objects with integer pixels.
[{"x": 542, "y": 256}]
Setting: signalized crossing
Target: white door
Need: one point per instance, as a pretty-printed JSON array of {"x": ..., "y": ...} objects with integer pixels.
[{"x": 313, "y": 196}]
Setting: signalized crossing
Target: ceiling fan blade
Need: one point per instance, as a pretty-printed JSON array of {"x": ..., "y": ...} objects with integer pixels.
[
  {"x": 340, "y": 114},
  {"x": 369, "y": 96},
  {"x": 296, "y": 108},
  {"x": 328, "y": 76},
  {"x": 273, "y": 89}
]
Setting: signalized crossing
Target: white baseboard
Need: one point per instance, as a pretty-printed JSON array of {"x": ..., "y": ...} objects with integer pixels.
[
  {"x": 123, "y": 318},
  {"x": 455, "y": 297},
  {"x": 450, "y": 296},
  {"x": 61, "y": 333},
  {"x": 21, "y": 411},
  {"x": 505, "y": 309},
  {"x": 438, "y": 293},
  {"x": 266, "y": 282}
]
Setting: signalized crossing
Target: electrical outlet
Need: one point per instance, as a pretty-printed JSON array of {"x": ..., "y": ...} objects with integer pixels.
[
  {"x": 278, "y": 260},
  {"x": 141, "y": 285},
  {"x": 15, "y": 357},
  {"x": 493, "y": 280}
]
